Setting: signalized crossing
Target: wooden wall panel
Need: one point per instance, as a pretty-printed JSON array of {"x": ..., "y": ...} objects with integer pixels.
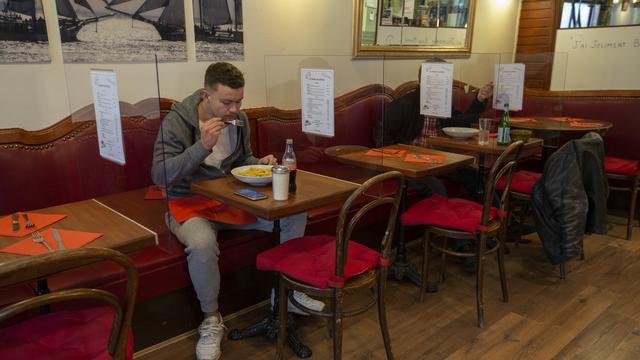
[
  {"x": 536, "y": 40},
  {"x": 536, "y": 5}
]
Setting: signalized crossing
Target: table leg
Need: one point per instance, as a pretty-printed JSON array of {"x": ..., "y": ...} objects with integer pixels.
[
  {"x": 401, "y": 269},
  {"x": 270, "y": 325},
  {"x": 42, "y": 287},
  {"x": 480, "y": 180}
]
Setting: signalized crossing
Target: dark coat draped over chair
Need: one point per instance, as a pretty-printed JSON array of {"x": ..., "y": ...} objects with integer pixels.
[{"x": 571, "y": 197}]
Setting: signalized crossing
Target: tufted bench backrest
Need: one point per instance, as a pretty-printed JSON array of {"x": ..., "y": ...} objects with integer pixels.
[{"x": 62, "y": 164}]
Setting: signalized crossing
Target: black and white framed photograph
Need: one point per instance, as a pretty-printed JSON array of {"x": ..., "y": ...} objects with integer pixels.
[
  {"x": 122, "y": 31},
  {"x": 23, "y": 32},
  {"x": 218, "y": 29}
]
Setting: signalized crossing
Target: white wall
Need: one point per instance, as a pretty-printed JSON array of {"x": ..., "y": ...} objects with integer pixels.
[{"x": 36, "y": 96}]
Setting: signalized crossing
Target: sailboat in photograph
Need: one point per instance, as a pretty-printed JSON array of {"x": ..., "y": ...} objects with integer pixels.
[
  {"x": 68, "y": 19},
  {"x": 16, "y": 27},
  {"x": 170, "y": 23},
  {"x": 218, "y": 20},
  {"x": 19, "y": 20}
]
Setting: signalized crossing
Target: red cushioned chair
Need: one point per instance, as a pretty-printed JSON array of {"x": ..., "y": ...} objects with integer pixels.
[
  {"x": 627, "y": 171},
  {"x": 467, "y": 220},
  {"x": 88, "y": 333},
  {"x": 327, "y": 266},
  {"x": 521, "y": 188}
]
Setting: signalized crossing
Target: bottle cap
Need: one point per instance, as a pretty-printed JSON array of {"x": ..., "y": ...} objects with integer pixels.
[
  {"x": 289, "y": 141},
  {"x": 280, "y": 169}
]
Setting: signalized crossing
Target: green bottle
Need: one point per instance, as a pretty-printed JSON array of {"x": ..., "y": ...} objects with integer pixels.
[{"x": 504, "y": 137}]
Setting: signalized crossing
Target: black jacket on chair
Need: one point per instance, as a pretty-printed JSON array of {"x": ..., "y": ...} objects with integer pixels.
[{"x": 571, "y": 197}]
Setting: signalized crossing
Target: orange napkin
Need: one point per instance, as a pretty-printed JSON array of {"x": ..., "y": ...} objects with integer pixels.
[
  {"x": 385, "y": 153},
  {"x": 424, "y": 158},
  {"x": 584, "y": 124},
  {"x": 521, "y": 120},
  {"x": 563, "y": 118},
  {"x": 39, "y": 220},
  {"x": 154, "y": 193},
  {"x": 186, "y": 208},
  {"x": 71, "y": 239}
]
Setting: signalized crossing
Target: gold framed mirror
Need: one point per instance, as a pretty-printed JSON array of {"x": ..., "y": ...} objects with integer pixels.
[{"x": 412, "y": 28}]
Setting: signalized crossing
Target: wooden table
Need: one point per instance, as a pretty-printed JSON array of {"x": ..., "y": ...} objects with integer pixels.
[
  {"x": 400, "y": 268},
  {"x": 555, "y": 131},
  {"x": 412, "y": 170},
  {"x": 313, "y": 190},
  {"x": 532, "y": 147},
  {"x": 119, "y": 232},
  {"x": 559, "y": 124},
  {"x": 147, "y": 213}
]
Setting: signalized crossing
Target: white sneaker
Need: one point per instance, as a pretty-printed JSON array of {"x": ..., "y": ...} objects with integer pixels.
[
  {"x": 304, "y": 300},
  {"x": 211, "y": 332}
]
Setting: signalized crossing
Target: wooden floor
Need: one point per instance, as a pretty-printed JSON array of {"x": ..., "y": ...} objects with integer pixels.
[{"x": 594, "y": 314}]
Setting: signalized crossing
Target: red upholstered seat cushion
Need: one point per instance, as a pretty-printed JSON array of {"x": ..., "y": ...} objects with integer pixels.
[
  {"x": 312, "y": 259},
  {"x": 523, "y": 181},
  {"x": 450, "y": 213},
  {"x": 620, "y": 166},
  {"x": 67, "y": 335}
]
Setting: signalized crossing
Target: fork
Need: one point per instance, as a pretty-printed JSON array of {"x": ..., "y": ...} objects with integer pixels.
[
  {"x": 29, "y": 224},
  {"x": 37, "y": 238},
  {"x": 424, "y": 157},
  {"x": 234, "y": 122}
]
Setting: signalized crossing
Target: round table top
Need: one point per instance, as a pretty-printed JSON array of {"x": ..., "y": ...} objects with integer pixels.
[{"x": 560, "y": 123}]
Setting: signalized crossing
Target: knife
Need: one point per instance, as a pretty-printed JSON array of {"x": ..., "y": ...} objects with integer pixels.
[
  {"x": 56, "y": 236},
  {"x": 14, "y": 222}
]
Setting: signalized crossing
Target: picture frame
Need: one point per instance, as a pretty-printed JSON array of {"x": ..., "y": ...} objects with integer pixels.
[{"x": 412, "y": 28}]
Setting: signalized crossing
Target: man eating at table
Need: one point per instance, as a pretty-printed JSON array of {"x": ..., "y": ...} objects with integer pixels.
[{"x": 202, "y": 138}]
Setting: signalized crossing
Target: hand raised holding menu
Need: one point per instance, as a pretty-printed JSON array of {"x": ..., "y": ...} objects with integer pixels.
[{"x": 485, "y": 92}]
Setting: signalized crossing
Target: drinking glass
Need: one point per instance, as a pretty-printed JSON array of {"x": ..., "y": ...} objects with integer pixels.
[{"x": 484, "y": 125}]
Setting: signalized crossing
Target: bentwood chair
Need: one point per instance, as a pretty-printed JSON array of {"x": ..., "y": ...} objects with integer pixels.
[
  {"x": 467, "y": 220},
  {"x": 520, "y": 191},
  {"x": 73, "y": 332},
  {"x": 628, "y": 172},
  {"x": 330, "y": 266}
]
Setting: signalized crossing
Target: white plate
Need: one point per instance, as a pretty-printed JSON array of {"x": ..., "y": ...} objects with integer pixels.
[
  {"x": 252, "y": 180},
  {"x": 460, "y": 132}
]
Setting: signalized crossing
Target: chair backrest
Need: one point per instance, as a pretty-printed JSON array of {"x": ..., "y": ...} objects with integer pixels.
[
  {"x": 379, "y": 198},
  {"x": 42, "y": 266},
  {"x": 504, "y": 166}
]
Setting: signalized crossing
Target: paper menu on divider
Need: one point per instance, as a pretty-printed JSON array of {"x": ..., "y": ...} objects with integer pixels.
[
  {"x": 436, "y": 86},
  {"x": 316, "y": 87},
  {"x": 107, "y": 110},
  {"x": 508, "y": 80}
]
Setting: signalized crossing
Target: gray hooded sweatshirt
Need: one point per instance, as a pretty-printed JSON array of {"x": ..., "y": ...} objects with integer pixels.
[{"x": 178, "y": 155}]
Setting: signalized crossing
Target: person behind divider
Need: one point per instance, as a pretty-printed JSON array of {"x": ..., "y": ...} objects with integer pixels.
[{"x": 402, "y": 123}]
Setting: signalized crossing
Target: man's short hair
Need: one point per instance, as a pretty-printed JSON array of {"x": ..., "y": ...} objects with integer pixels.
[{"x": 225, "y": 74}]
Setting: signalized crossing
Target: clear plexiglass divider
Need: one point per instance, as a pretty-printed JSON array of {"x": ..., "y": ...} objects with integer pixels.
[
  {"x": 422, "y": 110},
  {"x": 331, "y": 107},
  {"x": 110, "y": 153}
]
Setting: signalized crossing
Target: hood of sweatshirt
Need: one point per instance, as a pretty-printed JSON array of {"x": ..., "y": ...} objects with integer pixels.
[{"x": 188, "y": 109}]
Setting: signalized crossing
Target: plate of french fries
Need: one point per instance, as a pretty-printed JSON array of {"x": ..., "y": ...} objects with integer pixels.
[{"x": 256, "y": 175}]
